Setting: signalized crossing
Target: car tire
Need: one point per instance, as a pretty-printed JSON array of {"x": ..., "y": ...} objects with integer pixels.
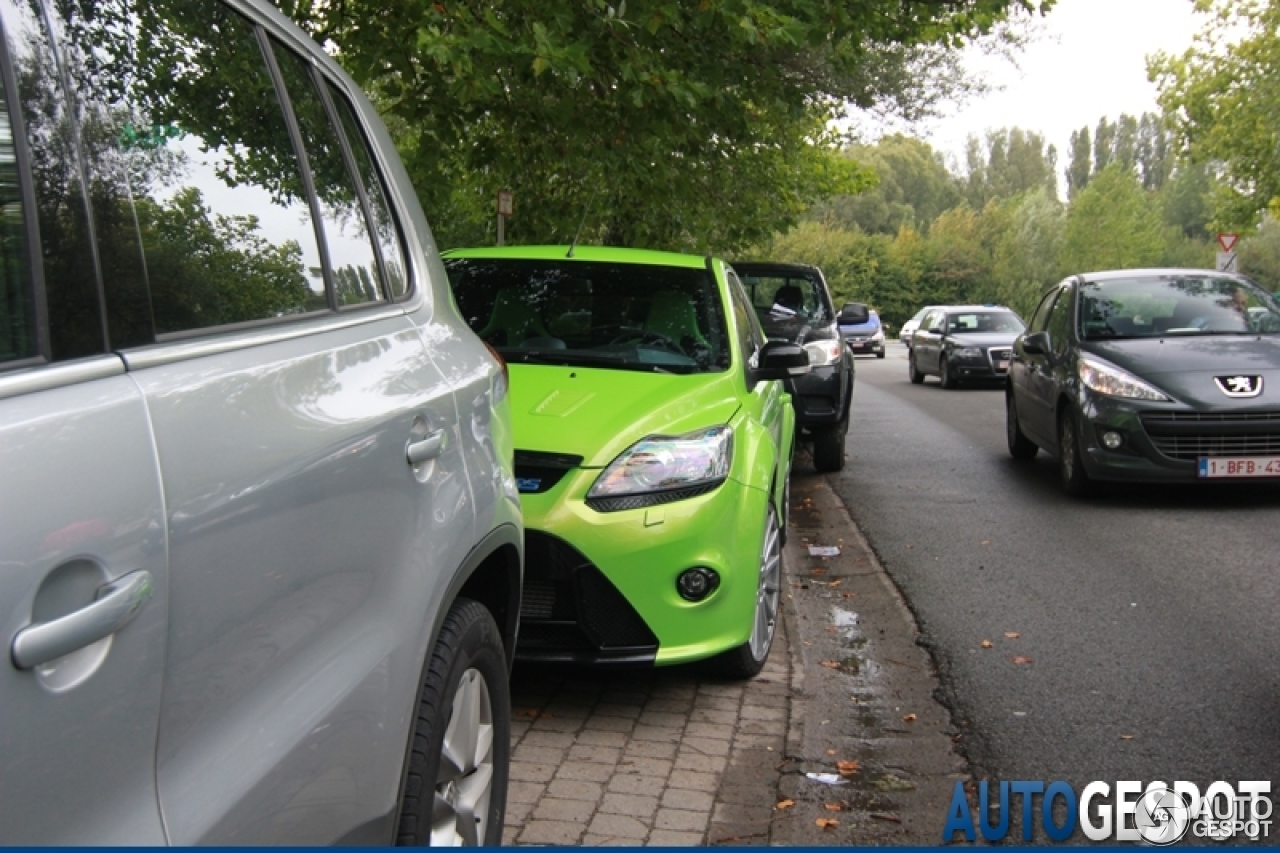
[
  {"x": 913, "y": 370},
  {"x": 880, "y": 354},
  {"x": 1075, "y": 480},
  {"x": 748, "y": 659},
  {"x": 944, "y": 373},
  {"x": 1020, "y": 447},
  {"x": 828, "y": 446},
  {"x": 465, "y": 703}
]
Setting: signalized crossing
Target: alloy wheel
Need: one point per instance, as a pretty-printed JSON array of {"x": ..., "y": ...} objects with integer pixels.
[
  {"x": 464, "y": 782},
  {"x": 768, "y": 589}
]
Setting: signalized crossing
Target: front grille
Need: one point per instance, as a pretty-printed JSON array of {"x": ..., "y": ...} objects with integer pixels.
[
  {"x": 1190, "y": 435},
  {"x": 997, "y": 355},
  {"x": 538, "y": 472},
  {"x": 570, "y": 610},
  {"x": 621, "y": 502}
]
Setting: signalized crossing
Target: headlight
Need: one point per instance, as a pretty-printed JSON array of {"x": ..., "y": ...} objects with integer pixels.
[
  {"x": 660, "y": 463},
  {"x": 967, "y": 352},
  {"x": 878, "y": 336},
  {"x": 1108, "y": 379},
  {"x": 822, "y": 353}
]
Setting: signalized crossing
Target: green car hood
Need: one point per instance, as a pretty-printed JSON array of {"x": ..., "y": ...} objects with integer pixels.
[{"x": 596, "y": 414}]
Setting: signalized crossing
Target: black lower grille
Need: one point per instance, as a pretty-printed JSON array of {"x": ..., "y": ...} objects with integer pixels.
[
  {"x": 1190, "y": 435},
  {"x": 571, "y": 612}
]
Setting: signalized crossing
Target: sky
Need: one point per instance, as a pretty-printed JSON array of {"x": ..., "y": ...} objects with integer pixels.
[{"x": 1089, "y": 62}]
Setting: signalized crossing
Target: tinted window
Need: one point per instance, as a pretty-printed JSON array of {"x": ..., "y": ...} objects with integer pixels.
[
  {"x": 1040, "y": 318},
  {"x": 351, "y": 252},
  {"x": 751, "y": 335},
  {"x": 384, "y": 227},
  {"x": 598, "y": 314},
  {"x": 65, "y": 263},
  {"x": 195, "y": 149},
  {"x": 1059, "y": 327},
  {"x": 1184, "y": 304},
  {"x": 983, "y": 321},
  {"x": 17, "y": 297}
]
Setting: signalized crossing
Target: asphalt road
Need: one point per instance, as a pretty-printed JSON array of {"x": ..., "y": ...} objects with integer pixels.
[{"x": 1150, "y": 615}]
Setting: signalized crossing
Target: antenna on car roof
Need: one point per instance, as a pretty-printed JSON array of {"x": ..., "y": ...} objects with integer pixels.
[{"x": 583, "y": 221}]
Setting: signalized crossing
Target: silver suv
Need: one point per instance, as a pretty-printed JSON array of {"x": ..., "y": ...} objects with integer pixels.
[{"x": 260, "y": 542}]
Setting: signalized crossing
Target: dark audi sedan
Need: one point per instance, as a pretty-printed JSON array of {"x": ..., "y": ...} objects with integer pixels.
[
  {"x": 1149, "y": 376},
  {"x": 963, "y": 343}
]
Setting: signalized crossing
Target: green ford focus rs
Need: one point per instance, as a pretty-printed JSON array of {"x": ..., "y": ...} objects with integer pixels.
[{"x": 653, "y": 443}]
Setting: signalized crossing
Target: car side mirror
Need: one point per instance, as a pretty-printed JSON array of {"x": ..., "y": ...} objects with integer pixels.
[
  {"x": 1037, "y": 343},
  {"x": 780, "y": 360},
  {"x": 854, "y": 314}
]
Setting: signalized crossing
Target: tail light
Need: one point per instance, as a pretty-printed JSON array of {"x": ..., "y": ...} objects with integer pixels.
[{"x": 503, "y": 380}]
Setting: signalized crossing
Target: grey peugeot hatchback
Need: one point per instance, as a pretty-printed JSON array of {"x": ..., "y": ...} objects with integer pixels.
[{"x": 260, "y": 541}]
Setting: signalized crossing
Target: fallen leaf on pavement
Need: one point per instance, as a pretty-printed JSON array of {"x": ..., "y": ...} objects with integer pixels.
[
  {"x": 985, "y": 542},
  {"x": 535, "y": 714},
  {"x": 819, "y": 571},
  {"x": 889, "y": 817},
  {"x": 785, "y": 804},
  {"x": 833, "y": 807},
  {"x": 830, "y": 664},
  {"x": 831, "y": 752},
  {"x": 909, "y": 545},
  {"x": 1126, "y": 737},
  {"x": 835, "y": 582},
  {"x": 848, "y": 768},
  {"x": 827, "y": 822},
  {"x": 1021, "y": 659},
  {"x": 909, "y": 718},
  {"x": 1012, "y": 635},
  {"x": 986, "y": 644}
]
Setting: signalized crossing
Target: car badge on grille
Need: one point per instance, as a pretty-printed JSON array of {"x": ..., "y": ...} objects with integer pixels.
[{"x": 1239, "y": 386}]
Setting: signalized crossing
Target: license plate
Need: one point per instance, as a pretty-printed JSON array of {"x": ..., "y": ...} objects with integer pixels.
[
  {"x": 1002, "y": 365},
  {"x": 1240, "y": 466}
]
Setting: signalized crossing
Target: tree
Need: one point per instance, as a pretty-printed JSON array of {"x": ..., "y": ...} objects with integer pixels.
[
  {"x": 912, "y": 187},
  {"x": 1260, "y": 254},
  {"x": 1222, "y": 97},
  {"x": 1112, "y": 225},
  {"x": 1027, "y": 252},
  {"x": 1008, "y": 162},
  {"x": 667, "y": 123}
]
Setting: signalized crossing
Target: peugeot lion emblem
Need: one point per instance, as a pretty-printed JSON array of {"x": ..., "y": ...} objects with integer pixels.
[{"x": 1239, "y": 386}]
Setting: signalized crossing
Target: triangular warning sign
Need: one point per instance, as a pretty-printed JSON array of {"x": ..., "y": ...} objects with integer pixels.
[{"x": 1228, "y": 241}]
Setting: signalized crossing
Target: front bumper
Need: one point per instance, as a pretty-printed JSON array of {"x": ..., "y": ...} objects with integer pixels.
[
  {"x": 1162, "y": 443},
  {"x": 819, "y": 396},
  {"x": 600, "y": 587}
]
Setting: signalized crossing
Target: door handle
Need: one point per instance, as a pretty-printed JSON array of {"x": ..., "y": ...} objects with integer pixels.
[
  {"x": 116, "y": 605},
  {"x": 418, "y": 452}
]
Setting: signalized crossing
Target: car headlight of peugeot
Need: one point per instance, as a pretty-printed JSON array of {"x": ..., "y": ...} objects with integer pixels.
[
  {"x": 822, "y": 353},
  {"x": 967, "y": 352},
  {"x": 1104, "y": 378},
  {"x": 659, "y": 469}
]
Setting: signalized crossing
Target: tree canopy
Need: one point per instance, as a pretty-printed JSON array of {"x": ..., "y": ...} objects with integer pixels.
[
  {"x": 655, "y": 122},
  {"x": 1222, "y": 97}
]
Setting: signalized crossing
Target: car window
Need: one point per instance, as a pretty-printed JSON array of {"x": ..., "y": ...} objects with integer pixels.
[
  {"x": 983, "y": 321},
  {"x": 63, "y": 270},
  {"x": 1176, "y": 304},
  {"x": 1060, "y": 319},
  {"x": 1040, "y": 319},
  {"x": 357, "y": 276},
  {"x": 594, "y": 313},
  {"x": 751, "y": 335},
  {"x": 18, "y": 329},
  {"x": 202, "y": 171},
  {"x": 782, "y": 297}
]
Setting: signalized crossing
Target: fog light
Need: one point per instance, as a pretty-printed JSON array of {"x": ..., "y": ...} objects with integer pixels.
[
  {"x": 697, "y": 584},
  {"x": 1112, "y": 440}
]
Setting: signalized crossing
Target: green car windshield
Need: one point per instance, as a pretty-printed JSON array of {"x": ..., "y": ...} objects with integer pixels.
[
  {"x": 594, "y": 313},
  {"x": 1182, "y": 304}
]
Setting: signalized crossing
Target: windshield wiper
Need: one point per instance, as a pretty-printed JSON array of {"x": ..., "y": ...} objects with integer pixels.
[{"x": 560, "y": 356}]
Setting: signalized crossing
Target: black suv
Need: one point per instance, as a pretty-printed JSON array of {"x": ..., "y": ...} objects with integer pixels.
[{"x": 794, "y": 304}]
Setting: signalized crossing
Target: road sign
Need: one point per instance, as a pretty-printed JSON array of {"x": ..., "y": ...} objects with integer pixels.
[
  {"x": 1227, "y": 241},
  {"x": 505, "y": 203},
  {"x": 1227, "y": 262}
]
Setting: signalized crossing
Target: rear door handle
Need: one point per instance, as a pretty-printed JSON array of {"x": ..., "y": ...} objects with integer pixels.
[
  {"x": 116, "y": 605},
  {"x": 418, "y": 452}
]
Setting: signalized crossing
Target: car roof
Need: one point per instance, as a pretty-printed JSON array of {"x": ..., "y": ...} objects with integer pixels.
[
  {"x": 581, "y": 253},
  {"x": 748, "y": 267},
  {"x": 1105, "y": 275},
  {"x": 974, "y": 308}
]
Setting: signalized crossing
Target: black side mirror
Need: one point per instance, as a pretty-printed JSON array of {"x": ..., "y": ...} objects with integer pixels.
[
  {"x": 854, "y": 314},
  {"x": 780, "y": 360},
  {"x": 1036, "y": 343}
]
